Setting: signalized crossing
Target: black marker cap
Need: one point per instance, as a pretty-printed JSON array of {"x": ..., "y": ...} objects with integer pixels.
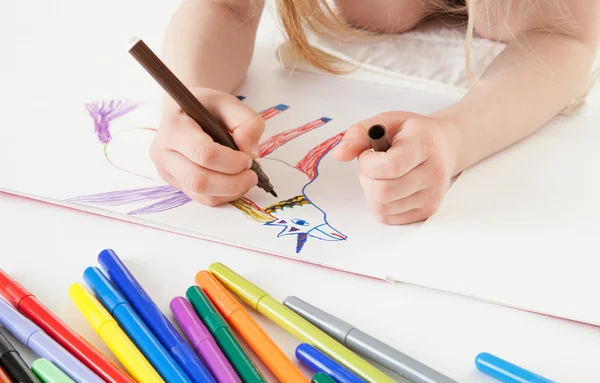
[{"x": 13, "y": 365}]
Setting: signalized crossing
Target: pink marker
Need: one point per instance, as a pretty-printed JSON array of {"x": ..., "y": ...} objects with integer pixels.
[{"x": 203, "y": 342}]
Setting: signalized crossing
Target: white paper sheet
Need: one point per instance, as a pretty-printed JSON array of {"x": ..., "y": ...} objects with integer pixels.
[
  {"x": 523, "y": 226},
  {"x": 80, "y": 121}
]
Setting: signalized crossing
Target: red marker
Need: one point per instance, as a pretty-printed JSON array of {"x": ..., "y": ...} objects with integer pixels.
[{"x": 33, "y": 309}]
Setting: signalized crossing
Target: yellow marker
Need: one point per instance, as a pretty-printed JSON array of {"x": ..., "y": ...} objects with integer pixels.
[{"x": 110, "y": 332}]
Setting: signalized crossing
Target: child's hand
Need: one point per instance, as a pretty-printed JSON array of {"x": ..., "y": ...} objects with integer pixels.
[
  {"x": 407, "y": 183},
  {"x": 189, "y": 160}
]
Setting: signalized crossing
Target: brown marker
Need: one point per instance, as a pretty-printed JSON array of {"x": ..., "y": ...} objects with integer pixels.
[
  {"x": 190, "y": 104},
  {"x": 380, "y": 141}
]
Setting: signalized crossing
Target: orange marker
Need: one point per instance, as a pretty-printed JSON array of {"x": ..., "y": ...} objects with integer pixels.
[{"x": 279, "y": 364}]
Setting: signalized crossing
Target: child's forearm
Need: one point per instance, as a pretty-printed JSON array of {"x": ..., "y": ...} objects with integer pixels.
[
  {"x": 209, "y": 43},
  {"x": 530, "y": 82}
]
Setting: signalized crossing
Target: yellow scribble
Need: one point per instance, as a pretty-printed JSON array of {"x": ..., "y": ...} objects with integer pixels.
[{"x": 252, "y": 211}]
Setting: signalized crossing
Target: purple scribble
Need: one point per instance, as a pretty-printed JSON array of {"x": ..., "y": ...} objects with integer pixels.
[
  {"x": 166, "y": 197},
  {"x": 104, "y": 112},
  {"x": 166, "y": 204}
]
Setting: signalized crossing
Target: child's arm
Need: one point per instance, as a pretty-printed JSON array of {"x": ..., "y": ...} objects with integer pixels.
[
  {"x": 545, "y": 66},
  {"x": 542, "y": 69},
  {"x": 209, "y": 43}
]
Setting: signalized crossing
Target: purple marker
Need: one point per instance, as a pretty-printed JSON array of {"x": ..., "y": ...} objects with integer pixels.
[
  {"x": 43, "y": 346},
  {"x": 204, "y": 344}
]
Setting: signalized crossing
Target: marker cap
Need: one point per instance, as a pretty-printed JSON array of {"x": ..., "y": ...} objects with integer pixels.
[
  {"x": 205, "y": 309},
  {"x": 93, "y": 311},
  {"x": 104, "y": 289},
  {"x": 49, "y": 373},
  {"x": 191, "y": 324},
  {"x": 247, "y": 291},
  {"x": 5, "y": 345},
  {"x": 114, "y": 266},
  {"x": 221, "y": 298},
  {"x": 505, "y": 371},
  {"x": 329, "y": 324},
  {"x": 12, "y": 291},
  {"x": 317, "y": 361},
  {"x": 18, "y": 325},
  {"x": 321, "y": 377}
]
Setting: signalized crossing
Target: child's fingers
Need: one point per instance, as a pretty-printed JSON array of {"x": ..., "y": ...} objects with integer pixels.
[
  {"x": 386, "y": 191},
  {"x": 406, "y": 154},
  {"x": 355, "y": 141},
  {"x": 189, "y": 140},
  {"x": 247, "y": 135},
  {"x": 196, "y": 181},
  {"x": 417, "y": 200},
  {"x": 246, "y": 125},
  {"x": 411, "y": 216}
]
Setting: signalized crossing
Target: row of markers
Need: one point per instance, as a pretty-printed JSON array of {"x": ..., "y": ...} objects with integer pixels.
[{"x": 152, "y": 350}]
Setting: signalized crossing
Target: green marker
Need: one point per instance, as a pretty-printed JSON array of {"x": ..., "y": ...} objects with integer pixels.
[
  {"x": 49, "y": 373},
  {"x": 321, "y": 377},
  {"x": 224, "y": 336}
]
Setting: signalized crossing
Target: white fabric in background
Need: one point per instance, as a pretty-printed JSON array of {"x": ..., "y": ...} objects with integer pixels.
[{"x": 430, "y": 57}]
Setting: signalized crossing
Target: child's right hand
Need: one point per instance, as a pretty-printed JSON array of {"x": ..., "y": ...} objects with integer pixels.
[{"x": 189, "y": 160}]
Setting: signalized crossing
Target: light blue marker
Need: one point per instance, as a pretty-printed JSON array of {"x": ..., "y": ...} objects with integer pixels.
[
  {"x": 506, "y": 372},
  {"x": 134, "y": 327}
]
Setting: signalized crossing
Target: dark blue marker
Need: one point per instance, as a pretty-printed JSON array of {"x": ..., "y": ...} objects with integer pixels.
[
  {"x": 317, "y": 362},
  {"x": 154, "y": 318}
]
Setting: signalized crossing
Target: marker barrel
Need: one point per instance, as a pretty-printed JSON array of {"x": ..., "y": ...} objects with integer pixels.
[
  {"x": 45, "y": 347},
  {"x": 154, "y": 318},
  {"x": 134, "y": 327},
  {"x": 128, "y": 354},
  {"x": 297, "y": 326},
  {"x": 272, "y": 356},
  {"x": 109, "y": 331},
  {"x": 203, "y": 342},
  {"x": 224, "y": 336},
  {"x": 34, "y": 310},
  {"x": 365, "y": 344}
]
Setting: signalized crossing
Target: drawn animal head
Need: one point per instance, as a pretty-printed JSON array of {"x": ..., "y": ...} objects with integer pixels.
[{"x": 296, "y": 216}]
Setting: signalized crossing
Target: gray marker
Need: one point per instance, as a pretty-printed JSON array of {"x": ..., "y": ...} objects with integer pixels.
[{"x": 366, "y": 345}]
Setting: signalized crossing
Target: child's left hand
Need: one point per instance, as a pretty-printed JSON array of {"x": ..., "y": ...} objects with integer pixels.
[{"x": 407, "y": 183}]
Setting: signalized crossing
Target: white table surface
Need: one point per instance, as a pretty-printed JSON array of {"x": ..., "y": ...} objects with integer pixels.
[{"x": 47, "y": 248}]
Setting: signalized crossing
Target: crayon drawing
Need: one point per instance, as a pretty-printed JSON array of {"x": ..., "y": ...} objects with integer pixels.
[{"x": 293, "y": 214}]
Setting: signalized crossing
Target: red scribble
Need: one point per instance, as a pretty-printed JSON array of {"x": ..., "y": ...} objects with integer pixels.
[
  {"x": 273, "y": 142},
  {"x": 273, "y": 111},
  {"x": 308, "y": 164}
]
